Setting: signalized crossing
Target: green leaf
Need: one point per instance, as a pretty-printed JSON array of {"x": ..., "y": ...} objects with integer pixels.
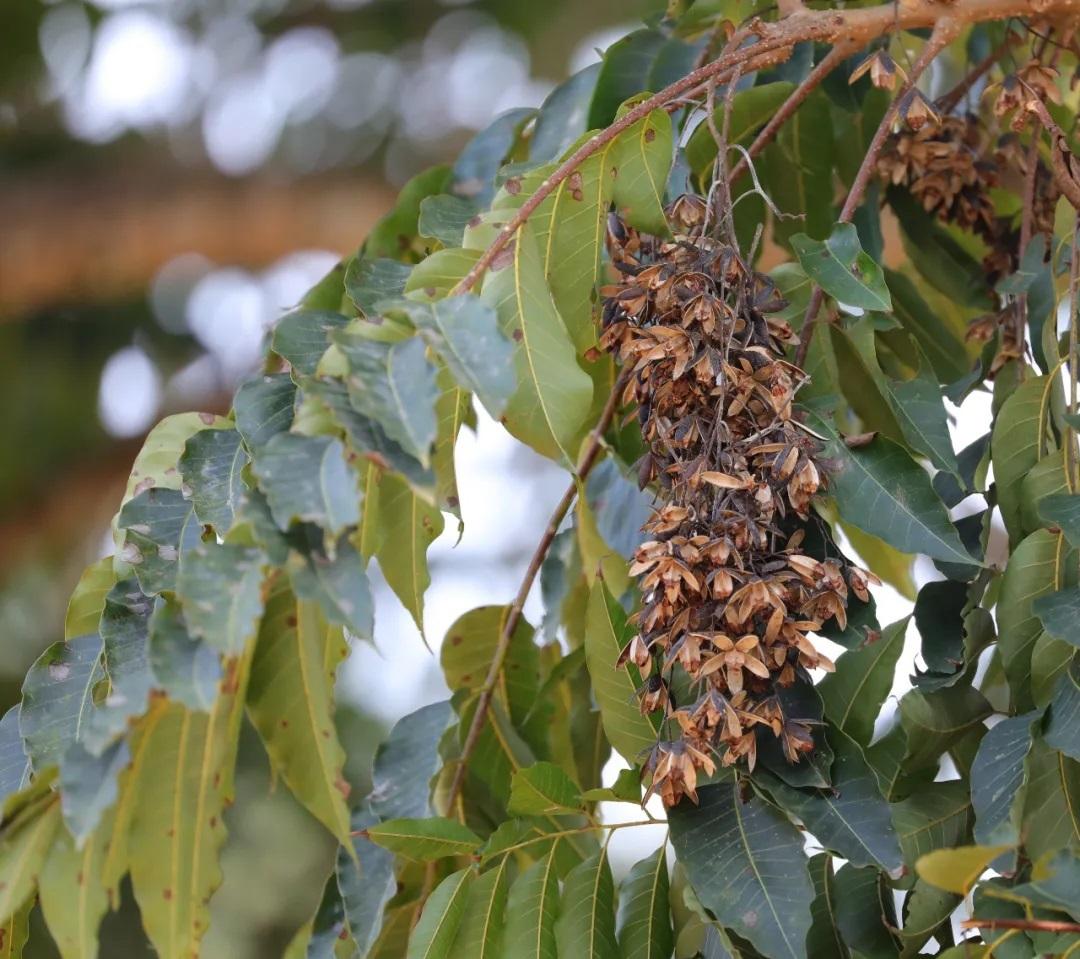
[
  {"x": 15, "y": 930},
  {"x": 586, "y": 923},
  {"x": 434, "y": 934},
  {"x": 936, "y": 254},
  {"x": 368, "y": 437},
  {"x": 481, "y": 933},
  {"x": 186, "y": 668},
  {"x": 1057, "y": 886},
  {"x": 89, "y": 787},
  {"x": 1060, "y": 614},
  {"x": 851, "y": 819},
  {"x": 1051, "y": 819},
  {"x": 624, "y": 71},
  {"x": 291, "y": 703},
  {"x": 303, "y": 336},
  {"x": 264, "y": 407},
  {"x": 368, "y": 281},
  {"x": 169, "y": 826},
  {"x": 746, "y": 864},
  {"x": 425, "y": 839},
  {"x": 407, "y": 527},
  {"x": 221, "y": 590},
  {"x": 57, "y": 698},
  {"x": 307, "y": 479},
  {"x": 73, "y": 896},
  {"x": 444, "y": 218},
  {"x": 936, "y": 816},
  {"x": 642, "y": 158},
  {"x": 465, "y": 332},
  {"x": 366, "y": 881},
  {"x": 156, "y": 463},
  {"x": 336, "y": 582},
  {"x": 553, "y": 395},
  {"x": 750, "y": 110},
  {"x": 841, "y": 268},
  {"x": 1063, "y": 721},
  {"x": 563, "y": 115},
  {"x": 436, "y": 275},
  {"x": 1019, "y": 441},
  {"x": 394, "y": 235},
  {"x": 956, "y": 870},
  {"x": 854, "y": 694},
  {"x": 934, "y": 721},
  {"x": 920, "y": 411},
  {"x": 24, "y": 844},
  {"x": 1063, "y": 511},
  {"x": 160, "y": 526},
  {"x": 531, "y": 911},
  {"x": 943, "y": 345},
  {"x": 14, "y": 763},
  {"x": 824, "y": 940},
  {"x": 615, "y": 688},
  {"x": 998, "y": 780},
  {"x": 211, "y": 466},
  {"x": 865, "y": 912},
  {"x": 1033, "y": 569},
  {"x": 799, "y": 171},
  {"x": 88, "y": 599},
  {"x": 926, "y": 910},
  {"x": 407, "y": 761},
  {"x": 541, "y": 789},
  {"x": 644, "y": 917},
  {"x": 479, "y": 161},
  {"x": 393, "y": 384},
  {"x": 880, "y": 489}
]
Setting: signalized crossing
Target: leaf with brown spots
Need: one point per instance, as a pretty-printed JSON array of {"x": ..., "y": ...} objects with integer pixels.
[{"x": 291, "y": 703}]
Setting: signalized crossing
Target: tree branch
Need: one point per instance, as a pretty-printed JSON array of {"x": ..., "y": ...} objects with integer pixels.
[
  {"x": 1032, "y": 925},
  {"x": 588, "y": 460},
  {"x": 1062, "y": 159},
  {"x": 775, "y": 42},
  {"x": 948, "y": 102}
]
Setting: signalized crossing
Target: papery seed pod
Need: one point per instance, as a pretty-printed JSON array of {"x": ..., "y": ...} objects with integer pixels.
[{"x": 728, "y": 596}]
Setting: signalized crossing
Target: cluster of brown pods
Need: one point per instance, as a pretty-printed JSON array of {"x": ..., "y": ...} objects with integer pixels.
[{"x": 728, "y": 594}]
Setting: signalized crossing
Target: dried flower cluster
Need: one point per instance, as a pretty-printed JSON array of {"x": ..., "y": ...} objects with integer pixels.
[{"x": 728, "y": 594}]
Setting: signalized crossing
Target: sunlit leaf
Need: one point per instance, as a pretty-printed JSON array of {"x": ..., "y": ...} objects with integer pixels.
[
  {"x": 425, "y": 839},
  {"x": 540, "y": 789}
]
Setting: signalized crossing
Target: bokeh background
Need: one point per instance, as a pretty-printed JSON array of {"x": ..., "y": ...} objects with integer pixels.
[{"x": 173, "y": 176}]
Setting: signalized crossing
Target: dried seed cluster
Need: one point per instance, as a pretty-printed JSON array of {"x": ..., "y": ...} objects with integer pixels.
[{"x": 729, "y": 596}]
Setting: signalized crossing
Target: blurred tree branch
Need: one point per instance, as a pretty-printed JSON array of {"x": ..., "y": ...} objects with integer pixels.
[{"x": 69, "y": 240}]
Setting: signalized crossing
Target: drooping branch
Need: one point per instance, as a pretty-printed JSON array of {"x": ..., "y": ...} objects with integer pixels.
[
  {"x": 944, "y": 32},
  {"x": 586, "y": 462},
  {"x": 1063, "y": 161},
  {"x": 1028, "y": 925},
  {"x": 774, "y": 45}
]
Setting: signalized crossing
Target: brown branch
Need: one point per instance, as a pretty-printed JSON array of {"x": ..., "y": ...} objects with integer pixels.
[
  {"x": 813, "y": 80},
  {"x": 948, "y": 102},
  {"x": 1026, "y": 219},
  {"x": 1029, "y": 925},
  {"x": 1062, "y": 159},
  {"x": 775, "y": 42},
  {"x": 944, "y": 31},
  {"x": 588, "y": 460}
]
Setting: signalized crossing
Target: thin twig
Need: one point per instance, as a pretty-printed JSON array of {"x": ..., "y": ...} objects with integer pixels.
[
  {"x": 944, "y": 32},
  {"x": 1074, "y": 288},
  {"x": 1030, "y": 925},
  {"x": 813, "y": 80},
  {"x": 948, "y": 102},
  {"x": 1026, "y": 219},
  {"x": 588, "y": 459},
  {"x": 1061, "y": 156}
]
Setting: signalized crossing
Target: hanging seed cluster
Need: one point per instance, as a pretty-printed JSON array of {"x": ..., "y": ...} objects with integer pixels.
[{"x": 728, "y": 595}]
